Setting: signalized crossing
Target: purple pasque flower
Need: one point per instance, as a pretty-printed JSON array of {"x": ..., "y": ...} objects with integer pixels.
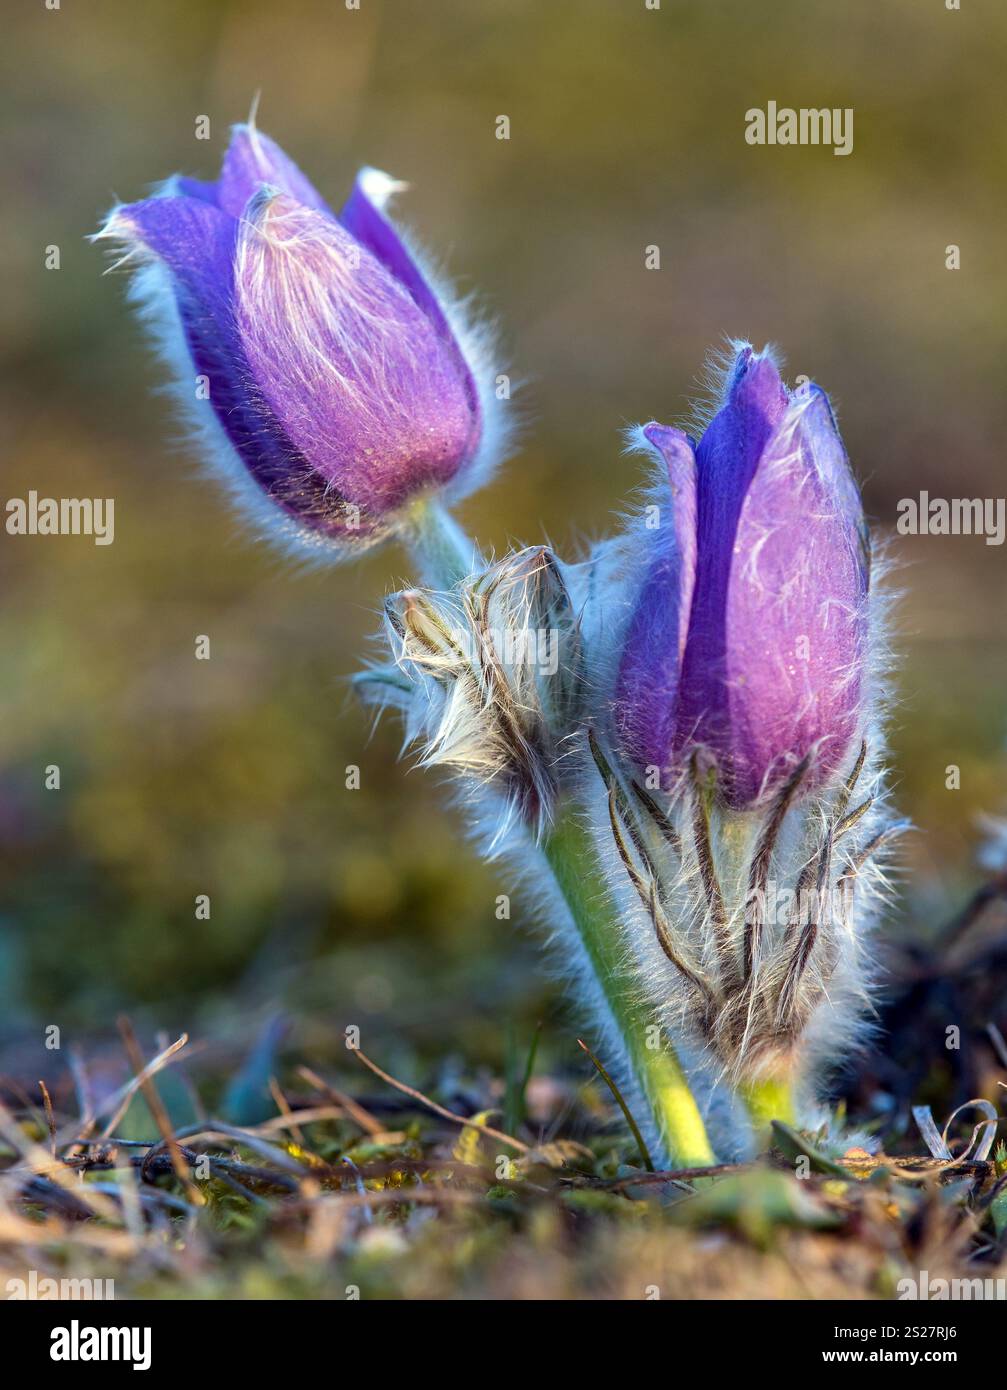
[
  {"x": 748, "y": 637},
  {"x": 330, "y": 373}
]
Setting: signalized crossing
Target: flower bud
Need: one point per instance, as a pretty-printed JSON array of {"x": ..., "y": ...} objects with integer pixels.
[
  {"x": 324, "y": 372},
  {"x": 496, "y": 670},
  {"x": 747, "y": 642}
]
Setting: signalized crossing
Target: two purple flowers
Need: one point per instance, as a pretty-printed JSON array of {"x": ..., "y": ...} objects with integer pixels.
[{"x": 346, "y": 391}]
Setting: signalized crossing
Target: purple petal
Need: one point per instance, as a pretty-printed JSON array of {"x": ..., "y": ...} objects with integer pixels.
[
  {"x": 350, "y": 366},
  {"x": 727, "y": 458},
  {"x": 363, "y": 217},
  {"x": 796, "y": 611},
  {"x": 647, "y": 683},
  {"x": 253, "y": 161},
  {"x": 195, "y": 240},
  {"x": 197, "y": 243},
  {"x": 184, "y": 187}
]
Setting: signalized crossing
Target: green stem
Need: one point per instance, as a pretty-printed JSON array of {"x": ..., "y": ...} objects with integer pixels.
[
  {"x": 440, "y": 548},
  {"x": 571, "y": 854},
  {"x": 768, "y": 1099},
  {"x": 444, "y": 555}
]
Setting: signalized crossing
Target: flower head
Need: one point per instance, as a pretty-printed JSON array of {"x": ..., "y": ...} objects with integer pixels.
[
  {"x": 493, "y": 679},
  {"x": 325, "y": 371},
  {"x": 747, "y": 639}
]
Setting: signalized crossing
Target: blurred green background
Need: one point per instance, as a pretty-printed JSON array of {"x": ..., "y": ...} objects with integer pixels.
[{"x": 627, "y": 129}]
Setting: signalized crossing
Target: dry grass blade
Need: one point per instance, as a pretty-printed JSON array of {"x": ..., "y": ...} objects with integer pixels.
[
  {"x": 50, "y": 1118},
  {"x": 160, "y": 1114},
  {"x": 313, "y": 1115},
  {"x": 133, "y": 1085},
  {"x": 34, "y": 1234},
  {"x": 440, "y": 1109},
  {"x": 42, "y": 1163},
  {"x": 129, "y": 1194},
  {"x": 285, "y": 1111},
  {"x": 82, "y": 1086},
  {"x": 714, "y": 1170},
  {"x": 217, "y": 1132},
  {"x": 353, "y": 1108}
]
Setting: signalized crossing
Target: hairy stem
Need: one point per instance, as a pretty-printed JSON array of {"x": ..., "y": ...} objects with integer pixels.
[
  {"x": 440, "y": 549},
  {"x": 443, "y": 555},
  {"x": 571, "y": 855}
]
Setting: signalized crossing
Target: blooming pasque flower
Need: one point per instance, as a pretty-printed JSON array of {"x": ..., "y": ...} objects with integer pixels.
[
  {"x": 327, "y": 368},
  {"x": 748, "y": 636},
  {"x": 740, "y": 655}
]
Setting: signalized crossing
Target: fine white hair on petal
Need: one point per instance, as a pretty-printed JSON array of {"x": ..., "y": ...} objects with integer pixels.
[
  {"x": 715, "y": 378},
  {"x": 477, "y": 336},
  {"x": 300, "y": 290},
  {"x": 378, "y": 187},
  {"x": 152, "y": 293}
]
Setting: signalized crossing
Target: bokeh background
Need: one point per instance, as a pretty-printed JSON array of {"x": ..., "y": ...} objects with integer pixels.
[{"x": 226, "y": 777}]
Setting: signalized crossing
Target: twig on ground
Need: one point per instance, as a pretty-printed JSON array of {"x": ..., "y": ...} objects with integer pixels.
[
  {"x": 50, "y": 1118},
  {"x": 156, "y": 1106},
  {"x": 353, "y": 1108},
  {"x": 440, "y": 1109},
  {"x": 128, "y": 1091}
]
